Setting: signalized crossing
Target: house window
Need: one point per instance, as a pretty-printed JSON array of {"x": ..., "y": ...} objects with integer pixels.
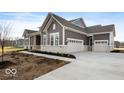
[
  {"x": 44, "y": 39},
  {"x": 57, "y": 39},
  {"x": 54, "y": 39},
  {"x": 54, "y": 26}
]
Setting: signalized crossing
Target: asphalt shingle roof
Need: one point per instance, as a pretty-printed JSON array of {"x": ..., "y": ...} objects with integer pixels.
[
  {"x": 91, "y": 29},
  {"x": 30, "y": 31},
  {"x": 99, "y": 28},
  {"x": 81, "y": 19},
  {"x": 68, "y": 23},
  {"x": 64, "y": 22}
]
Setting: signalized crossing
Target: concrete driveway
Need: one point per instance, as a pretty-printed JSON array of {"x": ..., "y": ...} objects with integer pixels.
[{"x": 90, "y": 65}]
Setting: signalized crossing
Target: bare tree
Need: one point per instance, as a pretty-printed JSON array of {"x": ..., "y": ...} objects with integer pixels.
[{"x": 5, "y": 29}]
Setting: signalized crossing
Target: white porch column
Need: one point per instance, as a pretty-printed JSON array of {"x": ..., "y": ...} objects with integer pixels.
[
  {"x": 92, "y": 42},
  {"x": 40, "y": 40},
  {"x": 29, "y": 43},
  {"x": 25, "y": 43},
  {"x": 111, "y": 40},
  {"x": 47, "y": 38},
  {"x": 34, "y": 43},
  {"x": 63, "y": 35}
]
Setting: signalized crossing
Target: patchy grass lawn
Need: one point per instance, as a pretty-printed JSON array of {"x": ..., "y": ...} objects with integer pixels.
[
  {"x": 28, "y": 66},
  {"x": 9, "y": 49},
  {"x": 119, "y": 49}
]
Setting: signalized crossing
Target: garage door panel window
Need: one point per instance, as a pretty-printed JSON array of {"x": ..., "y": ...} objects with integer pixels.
[
  {"x": 101, "y": 42},
  {"x": 74, "y": 41}
]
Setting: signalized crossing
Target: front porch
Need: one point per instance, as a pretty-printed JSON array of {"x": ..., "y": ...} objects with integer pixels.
[{"x": 35, "y": 42}]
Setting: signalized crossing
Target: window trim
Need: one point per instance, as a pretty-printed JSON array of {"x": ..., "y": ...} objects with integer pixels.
[
  {"x": 54, "y": 26},
  {"x": 54, "y": 34}
]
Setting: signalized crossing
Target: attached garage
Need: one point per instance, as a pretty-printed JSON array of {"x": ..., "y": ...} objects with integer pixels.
[
  {"x": 75, "y": 45},
  {"x": 100, "y": 45}
]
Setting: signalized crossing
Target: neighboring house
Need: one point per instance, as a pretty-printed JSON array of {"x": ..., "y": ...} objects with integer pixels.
[
  {"x": 60, "y": 35},
  {"x": 121, "y": 44},
  {"x": 19, "y": 43},
  {"x": 116, "y": 44}
]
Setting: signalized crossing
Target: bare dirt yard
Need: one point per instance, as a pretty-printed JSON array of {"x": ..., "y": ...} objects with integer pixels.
[{"x": 20, "y": 66}]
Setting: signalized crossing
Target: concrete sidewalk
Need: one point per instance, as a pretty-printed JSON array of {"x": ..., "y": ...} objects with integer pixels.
[{"x": 50, "y": 56}]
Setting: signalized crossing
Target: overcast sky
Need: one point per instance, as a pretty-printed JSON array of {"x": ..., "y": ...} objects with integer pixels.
[{"x": 23, "y": 21}]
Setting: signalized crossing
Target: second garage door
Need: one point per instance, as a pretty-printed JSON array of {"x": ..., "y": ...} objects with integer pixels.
[
  {"x": 75, "y": 45},
  {"x": 101, "y": 45}
]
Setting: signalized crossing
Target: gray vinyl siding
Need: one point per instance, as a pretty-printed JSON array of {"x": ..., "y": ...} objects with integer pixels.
[
  {"x": 74, "y": 35},
  {"x": 101, "y": 37},
  {"x": 41, "y": 39},
  {"x": 50, "y": 30}
]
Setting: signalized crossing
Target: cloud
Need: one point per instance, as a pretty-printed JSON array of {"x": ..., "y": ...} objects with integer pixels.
[
  {"x": 119, "y": 24},
  {"x": 19, "y": 27},
  {"x": 22, "y": 16},
  {"x": 21, "y": 21},
  {"x": 27, "y": 20}
]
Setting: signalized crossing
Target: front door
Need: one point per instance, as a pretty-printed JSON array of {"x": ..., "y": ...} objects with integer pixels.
[{"x": 90, "y": 43}]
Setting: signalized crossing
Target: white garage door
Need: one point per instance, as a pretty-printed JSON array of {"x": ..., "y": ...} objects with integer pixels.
[
  {"x": 75, "y": 45},
  {"x": 100, "y": 45}
]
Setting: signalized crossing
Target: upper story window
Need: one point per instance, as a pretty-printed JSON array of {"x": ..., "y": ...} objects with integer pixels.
[{"x": 54, "y": 26}]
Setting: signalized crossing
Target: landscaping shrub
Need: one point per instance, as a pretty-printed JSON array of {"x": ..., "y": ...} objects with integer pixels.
[
  {"x": 115, "y": 51},
  {"x": 56, "y": 54}
]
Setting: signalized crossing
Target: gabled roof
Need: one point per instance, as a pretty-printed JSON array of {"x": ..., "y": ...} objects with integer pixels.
[
  {"x": 45, "y": 22},
  {"x": 28, "y": 31},
  {"x": 88, "y": 30},
  {"x": 67, "y": 23},
  {"x": 74, "y": 19},
  {"x": 77, "y": 19},
  {"x": 92, "y": 29},
  {"x": 99, "y": 28},
  {"x": 70, "y": 24}
]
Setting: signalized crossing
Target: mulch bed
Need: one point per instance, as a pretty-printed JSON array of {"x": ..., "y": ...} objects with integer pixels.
[
  {"x": 28, "y": 66},
  {"x": 117, "y": 51}
]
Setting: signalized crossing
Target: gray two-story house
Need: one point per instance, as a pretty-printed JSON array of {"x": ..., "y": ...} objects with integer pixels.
[{"x": 60, "y": 35}]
